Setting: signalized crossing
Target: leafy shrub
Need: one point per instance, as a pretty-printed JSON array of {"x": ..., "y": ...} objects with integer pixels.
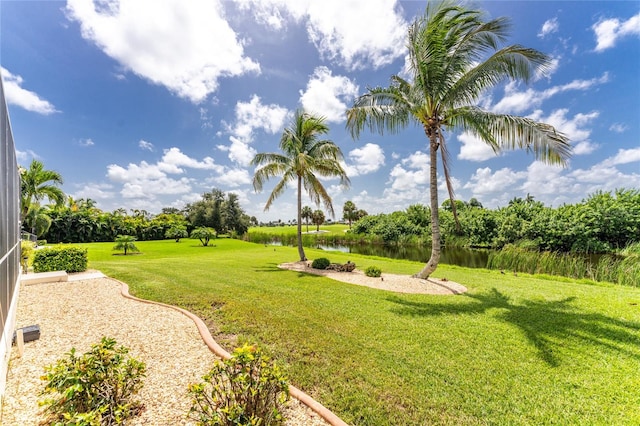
[
  {"x": 176, "y": 232},
  {"x": 204, "y": 234},
  {"x": 246, "y": 389},
  {"x": 60, "y": 258},
  {"x": 95, "y": 388},
  {"x": 320, "y": 263},
  {"x": 373, "y": 271},
  {"x": 26, "y": 254}
]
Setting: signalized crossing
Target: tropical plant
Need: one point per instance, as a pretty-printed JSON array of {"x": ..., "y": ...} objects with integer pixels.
[
  {"x": 204, "y": 234},
  {"x": 126, "y": 243},
  {"x": 303, "y": 157},
  {"x": 36, "y": 183},
  {"x": 247, "y": 389},
  {"x": 349, "y": 212},
  {"x": 306, "y": 214},
  {"x": 454, "y": 57},
  {"x": 96, "y": 388},
  {"x": 318, "y": 219},
  {"x": 176, "y": 232}
]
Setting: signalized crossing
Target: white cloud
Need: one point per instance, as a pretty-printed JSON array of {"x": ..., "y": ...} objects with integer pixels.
[
  {"x": 484, "y": 182},
  {"x": 341, "y": 31},
  {"x": 145, "y": 145},
  {"x": 328, "y": 95},
  {"x": 618, "y": 127},
  {"x": 550, "y": 26},
  {"x": 474, "y": 149},
  {"x": 173, "y": 159},
  {"x": 609, "y": 31},
  {"x": 239, "y": 152},
  {"x": 624, "y": 156},
  {"x": 249, "y": 117},
  {"x": 186, "y": 49},
  {"x": 365, "y": 160},
  {"x": 16, "y": 95},
  {"x": 95, "y": 191},
  {"x": 86, "y": 142},
  {"x": 515, "y": 101},
  {"x": 253, "y": 115},
  {"x": 233, "y": 177}
]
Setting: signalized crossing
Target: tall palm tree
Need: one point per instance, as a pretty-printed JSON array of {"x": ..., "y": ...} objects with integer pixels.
[
  {"x": 303, "y": 157},
  {"x": 350, "y": 212},
  {"x": 454, "y": 57}
]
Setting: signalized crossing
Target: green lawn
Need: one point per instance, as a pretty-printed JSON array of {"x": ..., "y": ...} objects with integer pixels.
[
  {"x": 513, "y": 350},
  {"x": 333, "y": 229}
]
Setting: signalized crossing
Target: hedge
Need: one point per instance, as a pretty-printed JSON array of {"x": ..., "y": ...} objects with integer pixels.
[{"x": 61, "y": 258}]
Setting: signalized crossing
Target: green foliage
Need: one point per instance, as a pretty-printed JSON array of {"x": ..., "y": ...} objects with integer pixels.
[
  {"x": 245, "y": 390},
  {"x": 26, "y": 254},
  {"x": 176, "y": 232},
  {"x": 126, "y": 243},
  {"x": 204, "y": 234},
  {"x": 320, "y": 263},
  {"x": 96, "y": 388},
  {"x": 60, "y": 258},
  {"x": 373, "y": 271}
]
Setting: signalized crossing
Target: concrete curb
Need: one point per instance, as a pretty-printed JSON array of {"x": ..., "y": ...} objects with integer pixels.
[{"x": 218, "y": 350}]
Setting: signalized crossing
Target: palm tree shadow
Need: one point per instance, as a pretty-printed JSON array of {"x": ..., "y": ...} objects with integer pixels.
[{"x": 547, "y": 325}]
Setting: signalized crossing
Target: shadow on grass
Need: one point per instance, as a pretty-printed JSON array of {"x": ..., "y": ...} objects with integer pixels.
[
  {"x": 273, "y": 267},
  {"x": 546, "y": 325}
]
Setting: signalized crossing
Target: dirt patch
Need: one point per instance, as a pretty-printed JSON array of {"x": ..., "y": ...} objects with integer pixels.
[{"x": 390, "y": 282}]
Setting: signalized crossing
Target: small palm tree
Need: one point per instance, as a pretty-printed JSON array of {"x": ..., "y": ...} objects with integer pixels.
[
  {"x": 126, "y": 243},
  {"x": 306, "y": 214},
  {"x": 204, "y": 234},
  {"x": 454, "y": 57},
  {"x": 303, "y": 157},
  {"x": 36, "y": 183},
  {"x": 318, "y": 219},
  {"x": 350, "y": 212},
  {"x": 176, "y": 232}
]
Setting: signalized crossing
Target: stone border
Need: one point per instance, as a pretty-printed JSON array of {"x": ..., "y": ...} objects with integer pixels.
[{"x": 218, "y": 350}]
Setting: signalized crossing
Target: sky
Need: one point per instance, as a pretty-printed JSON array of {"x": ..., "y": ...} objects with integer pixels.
[{"x": 146, "y": 104}]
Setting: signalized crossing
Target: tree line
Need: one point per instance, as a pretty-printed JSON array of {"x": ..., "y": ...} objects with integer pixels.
[{"x": 604, "y": 222}]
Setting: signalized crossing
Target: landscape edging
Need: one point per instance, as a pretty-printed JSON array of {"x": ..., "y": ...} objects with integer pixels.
[{"x": 218, "y": 350}]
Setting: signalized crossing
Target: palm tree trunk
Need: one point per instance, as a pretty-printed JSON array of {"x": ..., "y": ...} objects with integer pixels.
[
  {"x": 300, "y": 248},
  {"x": 432, "y": 264}
]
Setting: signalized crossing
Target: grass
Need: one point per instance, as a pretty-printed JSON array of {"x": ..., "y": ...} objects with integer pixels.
[
  {"x": 336, "y": 229},
  {"x": 513, "y": 350}
]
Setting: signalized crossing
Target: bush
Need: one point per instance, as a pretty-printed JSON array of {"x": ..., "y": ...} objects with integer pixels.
[
  {"x": 246, "y": 389},
  {"x": 95, "y": 388},
  {"x": 26, "y": 254},
  {"x": 60, "y": 258},
  {"x": 373, "y": 271},
  {"x": 320, "y": 263}
]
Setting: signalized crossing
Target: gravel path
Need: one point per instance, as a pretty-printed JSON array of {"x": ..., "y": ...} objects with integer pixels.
[
  {"x": 77, "y": 314},
  {"x": 390, "y": 282}
]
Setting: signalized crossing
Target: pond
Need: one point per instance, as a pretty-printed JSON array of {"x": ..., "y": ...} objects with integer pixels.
[{"x": 470, "y": 258}]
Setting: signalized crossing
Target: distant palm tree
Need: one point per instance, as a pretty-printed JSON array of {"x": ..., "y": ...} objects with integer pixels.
[
  {"x": 454, "y": 57},
  {"x": 318, "y": 219},
  {"x": 303, "y": 157},
  {"x": 126, "y": 243},
  {"x": 350, "y": 212},
  {"x": 306, "y": 214},
  {"x": 36, "y": 183}
]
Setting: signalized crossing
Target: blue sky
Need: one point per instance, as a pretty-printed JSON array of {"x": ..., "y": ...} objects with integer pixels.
[{"x": 147, "y": 104}]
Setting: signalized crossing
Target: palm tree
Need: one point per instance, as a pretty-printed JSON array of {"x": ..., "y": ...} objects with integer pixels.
[
  {"x": 126, "y": 243},
  {"x": 306, "y": 214},
  {"x": 303, "y": 157},
  {"x": 350, "y": 212},
  {"x": 318, "y": 219},
  {"x": 454, "y": 57},
  {"x": 37, "y": 183}
]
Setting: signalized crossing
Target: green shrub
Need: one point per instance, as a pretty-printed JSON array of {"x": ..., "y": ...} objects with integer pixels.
[
  {"x": 246, "y": 389},
  {"x": 373, "y": 271},
  {"x": 320, "y": 263},
  {"x": 60, "y": 258},
  {"x": 126, "y": 243},
  {"x": 26, "y": 254},
  {"x": 95, "y": 388}
]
